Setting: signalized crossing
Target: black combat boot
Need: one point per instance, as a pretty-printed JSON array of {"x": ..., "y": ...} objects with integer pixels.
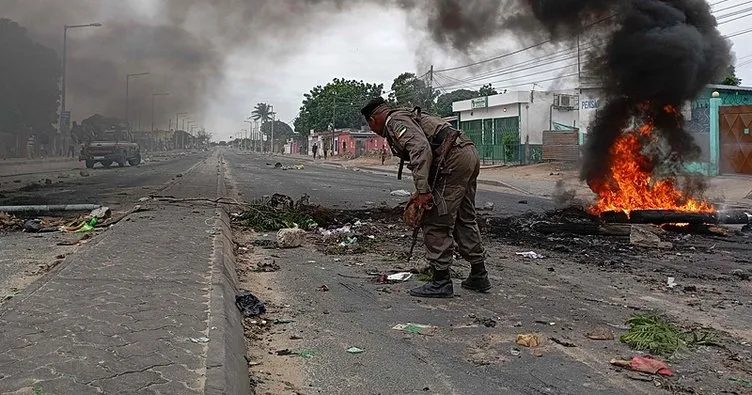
[
  {"x": 478, "y": 279},
  {"x": 440, "y": 286}
]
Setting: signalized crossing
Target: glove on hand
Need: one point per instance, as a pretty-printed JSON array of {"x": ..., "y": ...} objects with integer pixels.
[{"x": 416, "y": 208}]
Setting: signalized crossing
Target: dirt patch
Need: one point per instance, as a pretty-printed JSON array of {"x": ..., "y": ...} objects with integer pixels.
[{"x": 270, "y": 373}]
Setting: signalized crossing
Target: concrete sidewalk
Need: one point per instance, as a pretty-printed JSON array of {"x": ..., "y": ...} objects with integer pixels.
[{"x": 146, "y": 307}]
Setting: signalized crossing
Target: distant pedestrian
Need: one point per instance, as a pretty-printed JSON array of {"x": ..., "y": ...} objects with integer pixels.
[
  {"x": 325, "y": 152},
  {"x": 315, "y": 149},
  {"x": 30, "y": 143},
  {"x": 383, "y": 154}
]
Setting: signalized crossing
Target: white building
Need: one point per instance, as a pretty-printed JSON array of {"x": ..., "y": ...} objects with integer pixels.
[{"x": 509, "y": 127}]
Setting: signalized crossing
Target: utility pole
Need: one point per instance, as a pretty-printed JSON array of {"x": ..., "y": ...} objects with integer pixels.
[
  {"x": 250, "y": 132},
  {"x": 153, "y": 95},
  {"x": 271, "y": 149},
  {"x": 127, "y": 94},
  {"x": 430, "y": 86},
  {"x": 579, "y": 74},
  {"x": 64, "y": 82},
  {"x": 334, "y": 121}
]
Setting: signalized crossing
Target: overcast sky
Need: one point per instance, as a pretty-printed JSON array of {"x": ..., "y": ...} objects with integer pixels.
[
  {"x": 275, "y": 51},
  {"x": 346, "y": 49}
]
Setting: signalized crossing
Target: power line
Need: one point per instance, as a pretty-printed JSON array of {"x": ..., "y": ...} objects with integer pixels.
[
  {"x": 549, "y": 41},
  {"x": 728, "y": 8}
]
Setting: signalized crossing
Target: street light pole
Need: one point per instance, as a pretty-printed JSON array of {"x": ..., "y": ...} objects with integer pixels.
[
  {"x": 127, "y": 95},
  {"x": 64, "y": 82},
  {"x": 271, "y": 146},
  {"x": 153, "y": 95}
]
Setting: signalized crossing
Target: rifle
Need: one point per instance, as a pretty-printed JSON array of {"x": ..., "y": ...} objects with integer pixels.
[{"x": 446, "y": 146}]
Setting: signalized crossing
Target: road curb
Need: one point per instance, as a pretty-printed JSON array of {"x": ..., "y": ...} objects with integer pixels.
[{"x": 226, "y": 366}]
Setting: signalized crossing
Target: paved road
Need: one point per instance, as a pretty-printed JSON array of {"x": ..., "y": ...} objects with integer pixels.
[
  {"x": 69, "y": 183},
  {"x": 334, "y": 186},
  {"x": 463, "y": 358},
  {"x": 147, "y": 306}
]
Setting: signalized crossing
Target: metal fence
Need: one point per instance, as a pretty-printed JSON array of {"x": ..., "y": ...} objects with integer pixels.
[{"x": 498, "y": 141}]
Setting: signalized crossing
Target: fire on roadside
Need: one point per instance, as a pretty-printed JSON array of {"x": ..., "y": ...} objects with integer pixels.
[{"x": 630, "y": 184}]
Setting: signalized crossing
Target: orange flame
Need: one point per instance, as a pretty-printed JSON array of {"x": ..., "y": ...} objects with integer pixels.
[{"x": 630, "y": 184}]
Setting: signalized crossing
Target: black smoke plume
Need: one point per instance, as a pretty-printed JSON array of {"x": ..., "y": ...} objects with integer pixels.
[{"x": 658, "y": 55}]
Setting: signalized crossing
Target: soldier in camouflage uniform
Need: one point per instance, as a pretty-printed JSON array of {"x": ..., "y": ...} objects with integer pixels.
[{"x": 448, "y": 198}]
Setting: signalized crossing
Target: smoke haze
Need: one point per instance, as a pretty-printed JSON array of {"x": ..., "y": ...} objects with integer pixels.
[{"x": 662, "y": 51}]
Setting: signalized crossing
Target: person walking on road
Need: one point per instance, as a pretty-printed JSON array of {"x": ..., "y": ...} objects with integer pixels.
[
  {"x": 445, "y": 191},
  {"x": 315, "y": 150},
  {"x": 383, "y": 154}
]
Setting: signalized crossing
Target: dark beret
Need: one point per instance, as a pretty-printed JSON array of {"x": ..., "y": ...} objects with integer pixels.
[{"x": 372, "y": 105}]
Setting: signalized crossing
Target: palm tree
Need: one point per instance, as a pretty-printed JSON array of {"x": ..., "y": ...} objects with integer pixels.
[{"x": 262, "y": 112}]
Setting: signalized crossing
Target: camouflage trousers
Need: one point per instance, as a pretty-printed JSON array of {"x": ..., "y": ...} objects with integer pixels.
[{"x": 453, "y": 219}]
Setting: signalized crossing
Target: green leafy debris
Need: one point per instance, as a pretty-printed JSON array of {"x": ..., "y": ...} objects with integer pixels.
[{"x": 650, "y": 332}]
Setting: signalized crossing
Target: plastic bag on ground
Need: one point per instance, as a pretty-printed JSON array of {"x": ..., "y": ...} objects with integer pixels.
[{"x": 249, "y": 304}]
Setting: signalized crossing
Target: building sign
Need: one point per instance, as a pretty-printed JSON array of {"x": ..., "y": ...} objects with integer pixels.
[
  {"x": 481, "y": 102},
  {"x": 591, "y": 104}
]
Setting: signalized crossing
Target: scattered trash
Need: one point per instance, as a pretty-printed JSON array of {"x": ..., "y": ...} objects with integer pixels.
[
  {"x": 323, "y": 288},
  {"x": 522, "y": 202},
  {"x": 290, "y": 237},
  {"x": 101, "y": 213},
  {"x": 306, "y": 354},
  {"x": 348, "y": 242},
  {"x": 327, "y": 232},
  {"x": 641, "y": 236},
  {"x": 600, "y": 333},
  {"x": 399, "y": 277},
  {"x": 528, "y": 340},
  {"x": 355, "y": 350},
  {"x": 267, "y": 265},
  {"x": 530, "y": 254},
  {"x": 284, "y": 352},
  {"x": 143, "y": 199},
  {"x": 87, "y": 226},
  {"x": 487, "y": 322},
  {"x": 277, "y": 165},
  {"x": 311, "y": 262},
  {"x": 279, "y": 321},
  {"x": 212, "y": 231},
  {"x": 416, "y": 329},
  {"x": 741, "y": 274},
  {"x": 644, "y": 364},
  {"x": 689, "y": 288},
  {"x": 32, "y": 226},
  {"x": 515, "y": 352},
  {"x": 671, "y": 282},
  {"x": 488, "y": 206},
  {"x": 400, "y": 193},
  {"x": 202, "y": 339},
  {"x": 83, "y": 173},
  {"x": 249, "y": 305},
  {"x": 561, "y": 342}
]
